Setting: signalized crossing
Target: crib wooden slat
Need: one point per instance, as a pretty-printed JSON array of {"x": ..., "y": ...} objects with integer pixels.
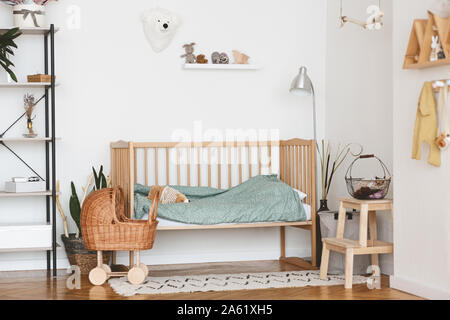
[
  {"x": 188, "y": 166},
  {"x": 219, "y": 168},
  {"x": 259, "y": 160},
  {"x": 178, "y": 166},
  {"x": 167, "y": 167},
  {"x": 305, "y": 169},
  {"x": 146, "y": 165},
  {"x": 156, "y": 166},
  {"x": 135, "y": 165},
  {"x": 297, "y": 171},
  {"x": 292, "y": 166},
  {"x": 240, "y": 163},
  {"x": 282, "y": 163},
  {"x": 229, "y": 166},
  {"x": 209, "y": 167},
  {"x": 249, "y": 150},
  {"x": 270, "y": 157},
  {"x": 199, "y": 166}
]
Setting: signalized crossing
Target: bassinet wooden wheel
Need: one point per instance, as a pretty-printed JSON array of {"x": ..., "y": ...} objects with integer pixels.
[
  {"x": 107, "y": 269},
  {"x": 144, "y": 267},
  {"x": 136, "y": 276},
  {"x": 98, "y": 276}
]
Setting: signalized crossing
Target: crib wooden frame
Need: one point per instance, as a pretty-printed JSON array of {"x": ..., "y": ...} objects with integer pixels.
[{"x": 296, "y": 168}]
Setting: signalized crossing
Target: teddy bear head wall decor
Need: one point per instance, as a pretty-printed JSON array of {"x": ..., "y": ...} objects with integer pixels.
[
  {"x": 160, "y": 26},
  {"x": 189, "y": 55}
]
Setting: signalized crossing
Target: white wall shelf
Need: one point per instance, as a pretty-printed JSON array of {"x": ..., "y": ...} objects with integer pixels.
[
  {"x": 210, "y": 66},
  {"x": 29, "y": 31},
  {"x": 24, "y": 194},
  {"x": 26, "y": 139},
  {"x": 26, "y": 84}
]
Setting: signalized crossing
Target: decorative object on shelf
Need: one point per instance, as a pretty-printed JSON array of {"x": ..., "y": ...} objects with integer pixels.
[
  {"x": 18, "y": 185},
  {"x": 429, "y": 43},
  {"x": 201, "y": 59},
  {"x": 330, "y": 163},
  {"x": 37, "y": 78},
  {"x": 434, "y": 48},
  {"x": 6, "y": 48},
  {"x": 189, "y": 55},
  {"x": 73, "y": 242},
  {"x": 220, "y": 58},
  {"x": 440, "y": 52},
  {"x": 28, "y": 13},
  {"x": 368, "y": 189},
  {"x": 240, "y": 58},
  {"x": 160, "y": 27},
  {"x": 373, "y": 22},
  {"x": 29, "y": 104}
]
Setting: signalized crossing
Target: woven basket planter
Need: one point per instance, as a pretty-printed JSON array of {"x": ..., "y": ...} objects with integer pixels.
[{"x": 79, "y": 256}]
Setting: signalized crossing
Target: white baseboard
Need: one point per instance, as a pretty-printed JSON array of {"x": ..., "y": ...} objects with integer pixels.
[
  {"x": 172, "y": 258},
  {"x": 419, "y": 289},
  {"x": 27, "y": 265}
]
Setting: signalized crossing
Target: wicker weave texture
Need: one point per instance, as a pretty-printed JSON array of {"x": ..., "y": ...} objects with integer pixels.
[{"x": 104, "y": 226}]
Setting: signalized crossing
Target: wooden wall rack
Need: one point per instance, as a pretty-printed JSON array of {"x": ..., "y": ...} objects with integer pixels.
[{"x": 419, "y": 47}]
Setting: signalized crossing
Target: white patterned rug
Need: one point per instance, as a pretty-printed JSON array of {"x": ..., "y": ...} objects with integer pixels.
[{"x": 226, "y": 282}]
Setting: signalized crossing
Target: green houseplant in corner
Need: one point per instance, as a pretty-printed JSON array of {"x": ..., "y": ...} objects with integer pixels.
[
  {"x": 330, "y": 163},
  {"x": 6, "y": 49},
  {"x": 73, "y": 243}
]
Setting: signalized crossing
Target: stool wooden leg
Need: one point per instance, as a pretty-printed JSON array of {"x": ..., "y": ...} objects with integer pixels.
[
  {"x": 99, "y": 259},
  {"x": 282, "y": 243},
  {"x": 348, "y": 269},
  {"x": 324, "y": 262},
  {"x": 373, "y": 235},
  {"x": 363, "y": 225},
  {"x": 341, "y": 222},
  {"x": 131, "y": 259}
]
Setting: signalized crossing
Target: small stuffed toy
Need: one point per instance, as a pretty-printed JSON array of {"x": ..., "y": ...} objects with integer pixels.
[
  {"x": 220, "y": 58},
  {"x": 168, "y": 195},
  {"x": 240, "y": 58},
  {"x": 201, "y": 59},
  {"x": 443, "y": 141},
  {"x": 189, "y": 55}
]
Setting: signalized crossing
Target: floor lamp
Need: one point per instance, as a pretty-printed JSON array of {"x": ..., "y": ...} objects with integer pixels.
[{"x": 303, "y": 86}]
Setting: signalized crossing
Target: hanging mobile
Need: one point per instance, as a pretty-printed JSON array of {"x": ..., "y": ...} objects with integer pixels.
[{"x": 373, "y": 22}]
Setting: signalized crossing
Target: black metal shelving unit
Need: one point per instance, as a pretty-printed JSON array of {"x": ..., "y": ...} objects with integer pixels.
[{"x": 50, "y": 135}]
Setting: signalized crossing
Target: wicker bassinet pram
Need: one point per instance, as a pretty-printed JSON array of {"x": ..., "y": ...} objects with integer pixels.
[{"x": 105, "y": 228}]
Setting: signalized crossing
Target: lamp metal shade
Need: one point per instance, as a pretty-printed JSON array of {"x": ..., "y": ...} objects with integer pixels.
[{"x": 302, "y": 85}]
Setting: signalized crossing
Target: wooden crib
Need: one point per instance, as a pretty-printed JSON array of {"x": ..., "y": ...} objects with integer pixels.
[{"x": 220, "y": 165}]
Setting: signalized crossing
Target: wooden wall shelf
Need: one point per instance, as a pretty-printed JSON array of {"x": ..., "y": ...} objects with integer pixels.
[{"x": 419, "y": 47}]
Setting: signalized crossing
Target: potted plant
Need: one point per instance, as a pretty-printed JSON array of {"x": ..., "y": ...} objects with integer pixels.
[
  {"x": 330, "y": 163},
  {"x": 28, "y": 13},
  {"x": 6, "y": 48},
  {"x": 73, "y": 242}
]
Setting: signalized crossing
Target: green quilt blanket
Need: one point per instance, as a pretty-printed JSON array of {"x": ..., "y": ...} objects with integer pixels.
[{"x": 259, "y": 199}]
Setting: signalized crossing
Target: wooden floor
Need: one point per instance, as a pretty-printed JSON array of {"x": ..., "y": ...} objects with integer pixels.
[{"x": 36, "y": 285}]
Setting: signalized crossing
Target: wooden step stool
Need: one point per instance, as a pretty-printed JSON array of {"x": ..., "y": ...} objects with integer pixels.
[{"x": 350, "y": 248}]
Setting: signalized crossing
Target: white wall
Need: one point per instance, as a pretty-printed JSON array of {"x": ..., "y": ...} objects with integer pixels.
[
  {"x": 359, "y": 97},
  {"x": 422, "y": 192},
  {"x": 113, "y": 86}
]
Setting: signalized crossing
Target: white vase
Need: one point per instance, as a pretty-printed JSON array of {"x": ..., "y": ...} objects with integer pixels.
[{"x": 29, "y": 16}]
